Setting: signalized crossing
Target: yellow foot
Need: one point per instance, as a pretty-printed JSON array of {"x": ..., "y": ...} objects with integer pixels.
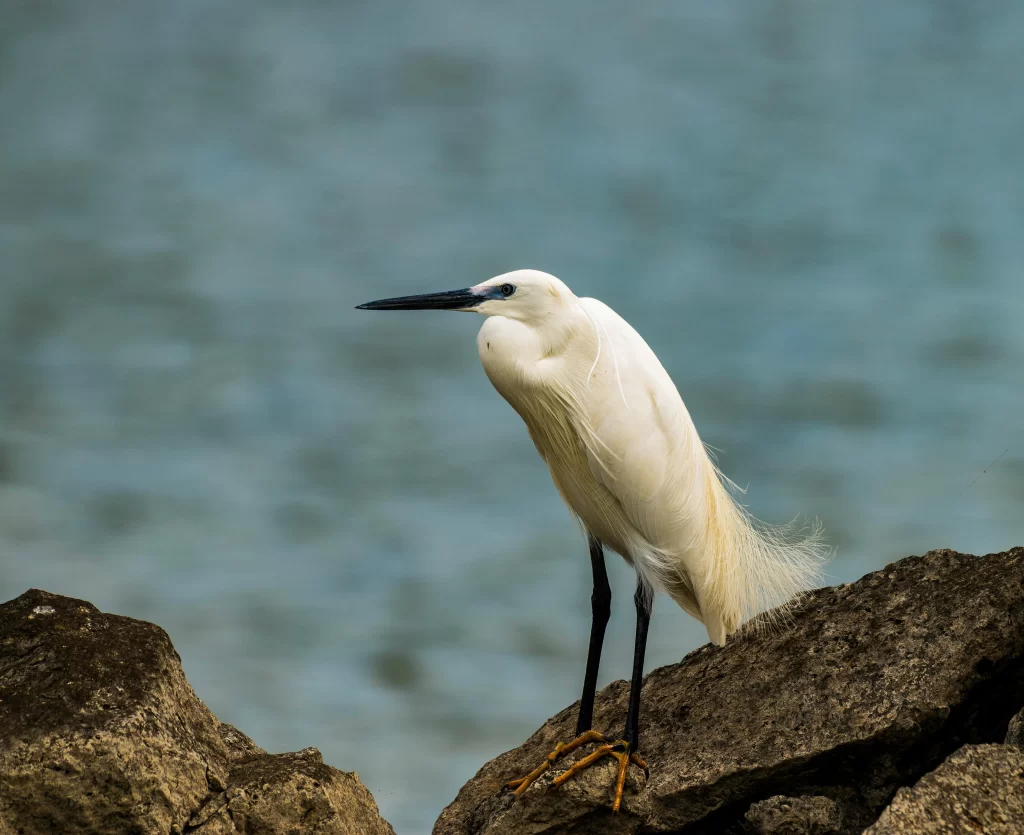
[
  {"x": 618, "y": 749},
  {"x": 561, "y": 749}
]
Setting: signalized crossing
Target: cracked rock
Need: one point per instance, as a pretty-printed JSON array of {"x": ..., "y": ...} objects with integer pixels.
[
  {"x": 99, "y": 730},
  {"x": 979, "y": 788},
  {"x": 100, "y": 733},
  {"x": 1015, "y": 730},
  {"x": 870, "y": 687},
  {"x": 795, "y": 816},
  {"x": 271, "y": 793}
]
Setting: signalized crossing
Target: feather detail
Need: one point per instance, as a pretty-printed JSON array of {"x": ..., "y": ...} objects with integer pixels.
[{"x": 627, "y": 460}]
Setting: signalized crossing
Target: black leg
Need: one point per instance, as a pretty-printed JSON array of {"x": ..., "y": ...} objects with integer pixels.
[
  {"x": 644, "y": 599},
  {"x": 601, "y": 605}
]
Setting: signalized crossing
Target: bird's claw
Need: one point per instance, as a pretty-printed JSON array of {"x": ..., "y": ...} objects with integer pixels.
[
  {"x": 523, "y": 783},
  {"x": 619, "y": 749},
  {"x": 561, "y": 749}
]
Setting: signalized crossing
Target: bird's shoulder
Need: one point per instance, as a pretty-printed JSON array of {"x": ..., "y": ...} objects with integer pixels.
[
  {"x": 635, "y": 414},
  {"x": 614, "y": 328},
  {"x": 626, "y": 357}
]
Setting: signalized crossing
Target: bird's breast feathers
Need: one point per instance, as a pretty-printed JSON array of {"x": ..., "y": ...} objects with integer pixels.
[{"x": 600, "y": 408}]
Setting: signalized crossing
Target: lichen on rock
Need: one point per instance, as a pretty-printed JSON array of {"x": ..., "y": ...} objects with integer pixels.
[
  {"x": 283, "y": 792},
  {"x": 100, "y": 733},
  {"x": 99, "y": 729},
  {"x": 872, "y": 685},
  {"x": 979, "y": 788},
  {"x": 781, "y": 815}
]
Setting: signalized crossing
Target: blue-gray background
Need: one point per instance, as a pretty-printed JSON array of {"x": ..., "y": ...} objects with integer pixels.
[{"x": 813, "y": 211}]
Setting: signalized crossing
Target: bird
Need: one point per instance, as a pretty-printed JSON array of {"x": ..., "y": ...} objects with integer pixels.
[{"x": 626, "y": 458}]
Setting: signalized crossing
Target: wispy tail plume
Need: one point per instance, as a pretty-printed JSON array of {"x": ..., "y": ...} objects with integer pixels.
[{"x": 751, "y": 567}]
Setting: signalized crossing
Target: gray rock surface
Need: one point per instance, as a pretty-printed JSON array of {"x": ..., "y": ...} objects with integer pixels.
[
  {"x": 101, "y": 733},
  {"x": 276, "y": 793},
  {"x": 1015, "y": 730},
  {"x": 238, "y": 744},
  {"x": 782, "y": 815},
  {"x": 871, "y": 686},
  {"x": 978, "y": 789},
  {"x": 99, "y": 730}
]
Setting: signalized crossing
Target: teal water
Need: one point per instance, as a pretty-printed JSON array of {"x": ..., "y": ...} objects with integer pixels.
[{"x": 813, "y": 212}]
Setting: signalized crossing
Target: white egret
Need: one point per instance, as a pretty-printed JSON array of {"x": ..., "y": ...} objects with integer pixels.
[{"x": 625, "y": 456}]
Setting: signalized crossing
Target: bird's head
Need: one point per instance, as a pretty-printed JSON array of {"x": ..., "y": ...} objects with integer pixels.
[{"x": 527, "y": 295}]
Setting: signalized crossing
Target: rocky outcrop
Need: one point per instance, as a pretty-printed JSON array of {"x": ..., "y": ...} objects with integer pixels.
[
  {"x": 795, "y": 816},
  {"x": 813, "y": 728},
  {"x": 980, "y": 788},
  {"x": 289, "y": 793},
  {"x": 101, "y": 733},
  {"x": 892, "y": 704},
  {"x": 1015, "y": 731}
]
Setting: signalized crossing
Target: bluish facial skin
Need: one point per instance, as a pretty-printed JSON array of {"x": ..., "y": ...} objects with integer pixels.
[{"x": 450, "y": 300}]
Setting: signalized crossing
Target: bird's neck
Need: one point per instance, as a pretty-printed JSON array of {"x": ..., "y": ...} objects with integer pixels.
[
  {"x": 513, "y": 349},
  {"x": 556, "y": 330}
]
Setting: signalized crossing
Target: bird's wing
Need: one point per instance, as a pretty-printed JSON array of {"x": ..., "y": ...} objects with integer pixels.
[
  {"x": 717, "y": 562},
  {"x": 640, "y": 429}
]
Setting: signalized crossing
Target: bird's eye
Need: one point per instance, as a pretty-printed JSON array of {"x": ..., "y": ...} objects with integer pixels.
[{"x": 507, "y": 290}]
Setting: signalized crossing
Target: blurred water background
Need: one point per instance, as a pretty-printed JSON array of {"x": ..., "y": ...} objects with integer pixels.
[{"x": 813, "y": 211}]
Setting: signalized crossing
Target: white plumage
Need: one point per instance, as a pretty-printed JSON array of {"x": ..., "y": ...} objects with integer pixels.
[{"x": 626, "y": 457}]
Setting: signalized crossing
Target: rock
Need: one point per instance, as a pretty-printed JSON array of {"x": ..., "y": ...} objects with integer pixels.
[
  {"x": 101, "y": 733},
  {"x": 99, "y": 730},
  {"x": 238, "y": 744},
  {"x": 980, "y": 788},
  {"x": 870, "y": 686},
  {"x": 270, "y": 793},
  {"x": 795, "y": 816},
  {"x": 1015, "y": 731}
]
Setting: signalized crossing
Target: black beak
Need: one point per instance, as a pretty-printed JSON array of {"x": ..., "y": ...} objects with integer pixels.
[{"x": 451, "y": 300}]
